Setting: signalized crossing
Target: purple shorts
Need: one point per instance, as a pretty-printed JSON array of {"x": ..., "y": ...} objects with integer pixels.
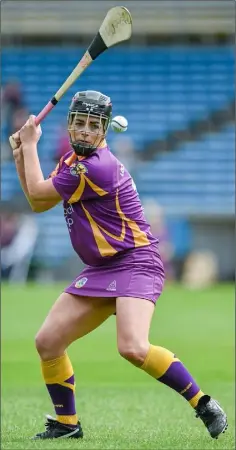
[{"x": 136, "y": 273}]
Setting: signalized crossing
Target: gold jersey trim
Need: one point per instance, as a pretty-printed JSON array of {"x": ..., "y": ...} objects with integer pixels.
[
  {"x": 106, "y": 249},
  {"x": 80, "y": 189}
]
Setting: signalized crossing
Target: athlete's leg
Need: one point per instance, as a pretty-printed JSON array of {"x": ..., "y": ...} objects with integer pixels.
[
  {"x": 70, "y": 318},
  {"x": 133, "y": 322},
  {"x": 133, "y": 317}
]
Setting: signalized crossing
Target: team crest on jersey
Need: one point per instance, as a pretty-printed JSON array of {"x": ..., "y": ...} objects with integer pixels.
[
  {"x": 80, "y": 283},
  {"x": 77, "y": 169}
]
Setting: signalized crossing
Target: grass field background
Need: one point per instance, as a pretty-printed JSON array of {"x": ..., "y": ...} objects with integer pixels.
[{"x": 120, "y": 406}]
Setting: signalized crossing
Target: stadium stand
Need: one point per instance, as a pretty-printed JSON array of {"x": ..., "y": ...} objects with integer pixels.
[
  {"x": 181, "y": 84},
  {"x": 197, "y": 178}
]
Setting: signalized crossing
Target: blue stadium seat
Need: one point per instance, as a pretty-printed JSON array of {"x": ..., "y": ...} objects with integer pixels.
[{"x": 198, "y": 177}]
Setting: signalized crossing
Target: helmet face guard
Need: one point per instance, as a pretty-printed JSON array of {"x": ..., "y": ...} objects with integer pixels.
[
  {"x": 84, "y": 109},
  {"x": 84, "y": 124}
]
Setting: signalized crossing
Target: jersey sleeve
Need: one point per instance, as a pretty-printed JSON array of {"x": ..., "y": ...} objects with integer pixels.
[
  {"x": 57, "y": 168},
  {"x": 82, "y": 181}
]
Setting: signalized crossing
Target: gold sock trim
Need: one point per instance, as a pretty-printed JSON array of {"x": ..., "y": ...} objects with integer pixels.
[
  {"x": 56, "y": 371},
  {"x": 146, "y": 361},
  {"x": 52, "y": 362},
  {"x": 158, "y": 361},
  {"x": 194, "y": 401},
  {"x": 68, "y": 420},
  {"x": 68, "y": 385}
]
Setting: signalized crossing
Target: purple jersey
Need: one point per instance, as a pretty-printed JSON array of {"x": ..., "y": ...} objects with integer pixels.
[{"x": 102, "y": 208}]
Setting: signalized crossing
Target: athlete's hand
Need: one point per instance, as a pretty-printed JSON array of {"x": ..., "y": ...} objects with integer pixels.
[
  {"x": 16, "y": 138},
  {"x": 18, "y": 154},
  {"x": 17, "y": 149},
  {"x": 30, "y": 133}
]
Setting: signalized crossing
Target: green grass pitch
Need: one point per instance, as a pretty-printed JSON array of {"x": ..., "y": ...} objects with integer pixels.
[{"x": 120, "y": 406}]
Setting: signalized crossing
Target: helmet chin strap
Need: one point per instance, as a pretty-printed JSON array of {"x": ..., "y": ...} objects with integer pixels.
[{"x": 83, "y": 149}]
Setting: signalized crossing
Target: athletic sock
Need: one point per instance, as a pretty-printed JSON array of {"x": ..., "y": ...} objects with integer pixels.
[
  {"x": 163, "y": 365},
  {"x": 59, "y": 378}
]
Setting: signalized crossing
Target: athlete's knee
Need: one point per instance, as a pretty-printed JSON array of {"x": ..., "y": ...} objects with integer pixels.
[
  {"x": 134, "y": 352},
  {"x": 47, "y": 346}
]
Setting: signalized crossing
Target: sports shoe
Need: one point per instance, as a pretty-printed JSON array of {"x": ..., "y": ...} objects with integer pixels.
[
  {"x": 212, "y": 415},
  {"x": 57, "y": 430}
]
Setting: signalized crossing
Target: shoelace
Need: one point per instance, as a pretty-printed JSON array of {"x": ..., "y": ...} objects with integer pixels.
[{"x": 50, "y": 424}]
